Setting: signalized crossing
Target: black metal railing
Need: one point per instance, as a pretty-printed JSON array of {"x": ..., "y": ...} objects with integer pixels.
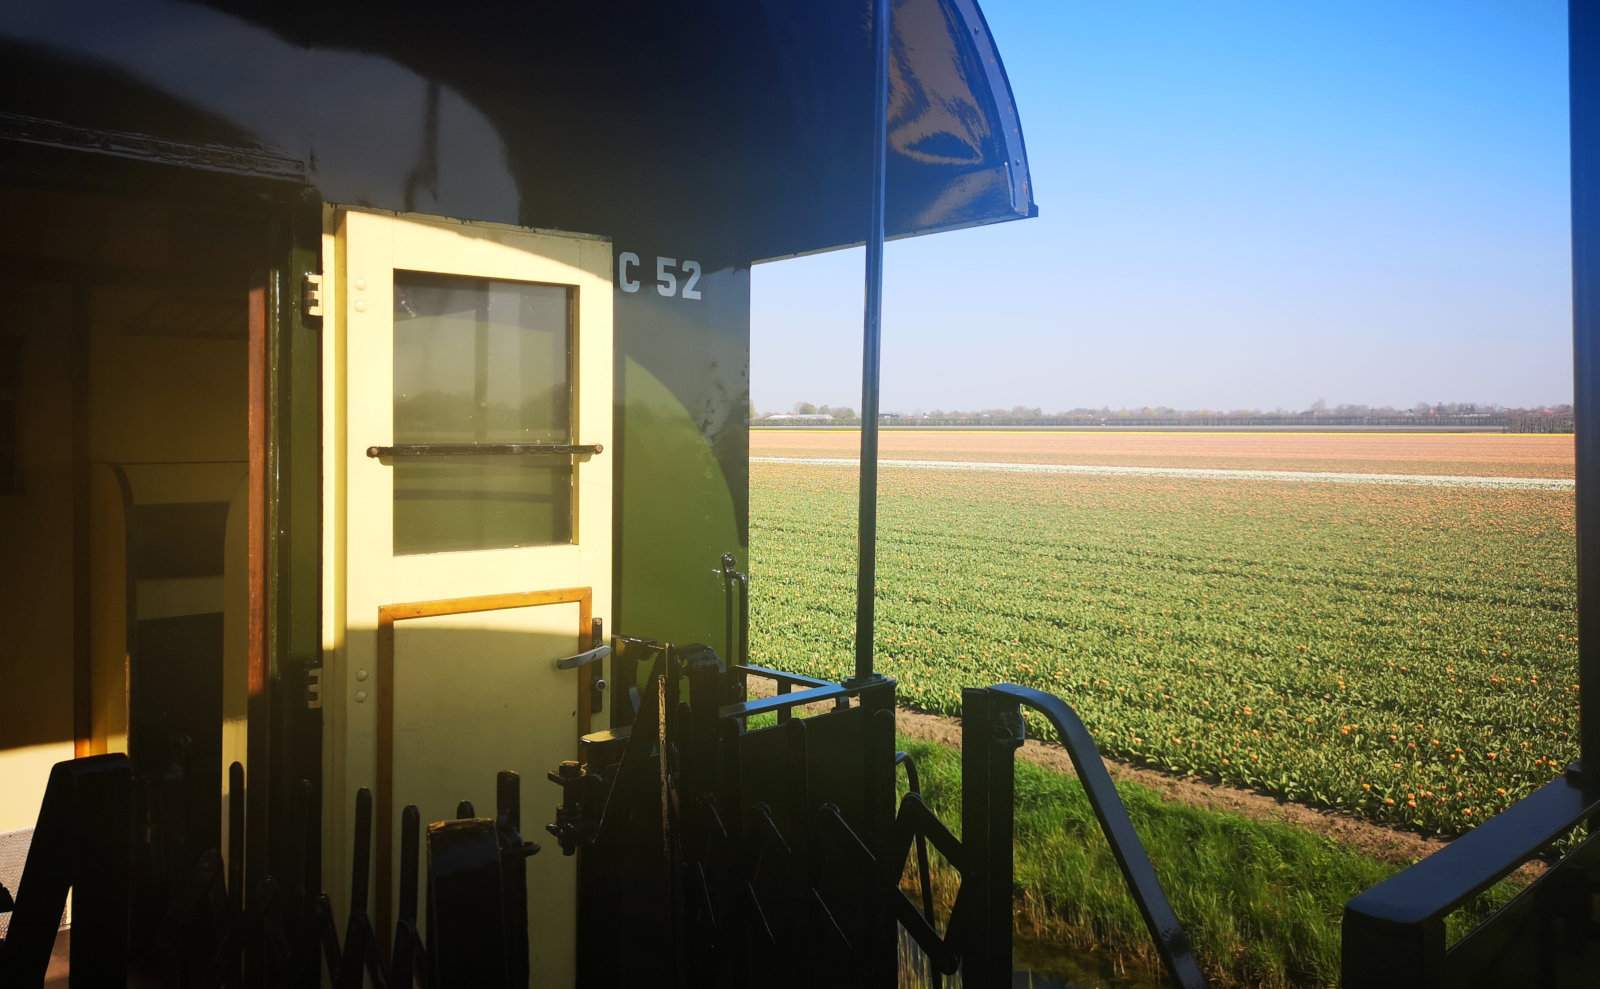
[
  {"x": 924, "y": 870},
  {"x": 730, "y": 846},
  {"x": 786, "y": 839},
  {"x": 208, "y": 930},
  {"x": 1394, "y": 933},
  {"x": 81, "y": 843},
  {"x": 1549, "y": 934},
  {"x": 977, "y": 938}
]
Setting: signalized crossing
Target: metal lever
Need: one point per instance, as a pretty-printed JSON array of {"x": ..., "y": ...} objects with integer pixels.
[{"x": 584, "y": 658}]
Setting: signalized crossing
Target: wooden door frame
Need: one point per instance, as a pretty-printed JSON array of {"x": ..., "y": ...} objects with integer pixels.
[
  {"x": 289, "y": 716},
  {"x": 258, "y": 705},
  {"x": 388, "y": 615}
]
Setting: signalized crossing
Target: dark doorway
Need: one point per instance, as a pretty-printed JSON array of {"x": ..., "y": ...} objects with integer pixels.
[{"x": 132, "y": 448}]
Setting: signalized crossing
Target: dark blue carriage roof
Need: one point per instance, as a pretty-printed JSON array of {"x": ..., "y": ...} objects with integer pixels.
[{"x": 747, "y": 122}]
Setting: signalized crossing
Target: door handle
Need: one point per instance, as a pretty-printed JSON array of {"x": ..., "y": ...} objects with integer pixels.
[
  {"x": 586, "y": 663},
  {"x": 582, "y": 659}
]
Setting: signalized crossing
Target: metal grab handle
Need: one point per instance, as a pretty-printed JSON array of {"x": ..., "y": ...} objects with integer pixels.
[
  {"x": 732, "y": 575},
  {"x": 482, "y": 449},
  {"x": 584, "y": 658},
  {"x": 1171, "y": 941}
]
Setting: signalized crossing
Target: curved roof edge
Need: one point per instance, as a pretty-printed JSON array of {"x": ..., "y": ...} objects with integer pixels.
[
  {"x": 740, "y": 129},
  {"x": 1006, "y": 105},
  {"x": 957, "y": 157}
]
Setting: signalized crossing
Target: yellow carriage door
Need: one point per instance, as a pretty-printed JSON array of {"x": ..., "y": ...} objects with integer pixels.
[{"x": 477, "y": 520}]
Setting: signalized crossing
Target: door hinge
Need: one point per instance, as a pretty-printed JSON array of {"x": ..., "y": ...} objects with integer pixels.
[
  {"x": 311, "y": 293},
  {"x": 314, "y": 689}
]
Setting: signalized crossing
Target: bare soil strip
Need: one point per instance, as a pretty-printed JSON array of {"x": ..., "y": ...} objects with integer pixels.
[
  {"x": 1399, "y": 848},
  {"x": 1375, "y": 840},
  {"x": 1492, "y": 454},
  {"x": 1203, "y": 473}
]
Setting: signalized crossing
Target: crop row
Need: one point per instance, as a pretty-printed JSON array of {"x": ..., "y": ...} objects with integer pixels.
[{"x": 1407, "y": 654}]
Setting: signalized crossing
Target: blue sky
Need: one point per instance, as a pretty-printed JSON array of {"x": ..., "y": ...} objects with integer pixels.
[{"x": 1241, "y": 205}]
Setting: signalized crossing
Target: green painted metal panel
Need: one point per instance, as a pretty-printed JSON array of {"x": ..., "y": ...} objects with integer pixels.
[{"x": 682, "y": 448}]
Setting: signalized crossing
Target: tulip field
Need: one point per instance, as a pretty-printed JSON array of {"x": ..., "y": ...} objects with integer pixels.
[{"x": 1403, "y": 653}]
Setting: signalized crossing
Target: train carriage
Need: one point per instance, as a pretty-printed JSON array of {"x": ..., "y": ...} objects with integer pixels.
[{"x": 373, "y": 445}]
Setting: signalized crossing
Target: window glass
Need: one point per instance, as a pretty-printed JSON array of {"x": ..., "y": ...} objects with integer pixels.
[{"x": 481, "y": 361}]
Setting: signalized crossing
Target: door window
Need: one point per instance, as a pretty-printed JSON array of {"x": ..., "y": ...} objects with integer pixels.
[{"x": 481, "y": 362}]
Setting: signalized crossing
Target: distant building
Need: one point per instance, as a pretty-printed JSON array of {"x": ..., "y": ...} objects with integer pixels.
[{"x": 797, "y": 417}]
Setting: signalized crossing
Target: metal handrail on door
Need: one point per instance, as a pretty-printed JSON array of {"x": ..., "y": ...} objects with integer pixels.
[{"x": 484, "y": 449}]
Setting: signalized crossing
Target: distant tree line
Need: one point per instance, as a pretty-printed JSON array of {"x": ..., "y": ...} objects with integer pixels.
[
  {"x": 838, "y": 414},
  {"x": 1443, "y": 415}
]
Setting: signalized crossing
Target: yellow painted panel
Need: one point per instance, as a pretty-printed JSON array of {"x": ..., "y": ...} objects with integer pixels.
[
  {"x": 25, "y": 771},
  {"x": 491, "y": 676},
  {"x": 337, "y": 727}
]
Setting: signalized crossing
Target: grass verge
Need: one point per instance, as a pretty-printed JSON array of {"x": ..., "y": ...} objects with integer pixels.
[{"x": 1261, "y": 900}]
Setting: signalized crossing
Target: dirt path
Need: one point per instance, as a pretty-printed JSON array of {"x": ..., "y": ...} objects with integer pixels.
[
  {"x": 1492, "y": 454},
  {"x": 1384, "y": 844}
]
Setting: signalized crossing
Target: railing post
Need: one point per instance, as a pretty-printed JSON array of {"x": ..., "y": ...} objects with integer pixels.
[
  {"x": 877, "y": 821},
  {"x": 1376, "y": 954},
  {"x": 991, "y": 731},
  {"x": 358, "y": 935},
  {"x": 1584, "y": 44},
  {"x": 99, "y": 955},
  {"x": 238, "y": 961},
  {"x": 81, "y": 843},
  {"x": 514, "y": 854},
  {"x": 404, "y": 961},
  {"x": 469, "y": 941},
  {"x": 306, "y": 889}
]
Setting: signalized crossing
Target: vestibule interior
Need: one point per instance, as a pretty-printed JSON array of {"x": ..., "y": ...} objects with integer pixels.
[{"x": 125, "y": 579}]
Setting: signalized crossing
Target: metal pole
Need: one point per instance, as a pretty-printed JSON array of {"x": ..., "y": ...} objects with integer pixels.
[
  {"x": 872, "y": 338},
  {"x": 1584, "y": 42}
]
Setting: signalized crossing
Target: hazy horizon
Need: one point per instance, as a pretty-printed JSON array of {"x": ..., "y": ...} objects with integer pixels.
[
  {"x": 1242, "y": 206},
  {"x": 1331, "y": 408}
]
